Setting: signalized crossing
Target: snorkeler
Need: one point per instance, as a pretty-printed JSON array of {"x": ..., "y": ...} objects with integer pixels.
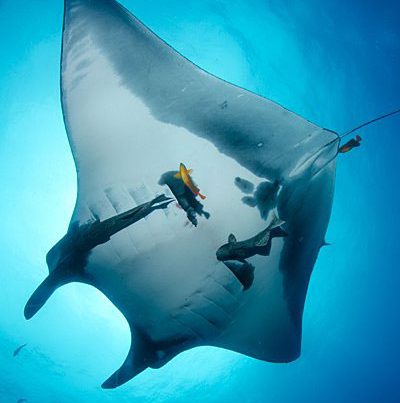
[{"x": 350, "y": 145}]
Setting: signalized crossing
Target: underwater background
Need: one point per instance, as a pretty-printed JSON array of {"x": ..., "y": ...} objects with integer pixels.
[{"x": 336, "y": 64}]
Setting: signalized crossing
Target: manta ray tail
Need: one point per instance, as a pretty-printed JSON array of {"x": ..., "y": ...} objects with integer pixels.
[
  {"x": 140, "y": 356},
  {"x": 54, "y": 280}
]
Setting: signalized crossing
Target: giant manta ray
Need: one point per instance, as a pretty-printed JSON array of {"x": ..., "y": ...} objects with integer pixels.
[{"x": 134, "y": 109}]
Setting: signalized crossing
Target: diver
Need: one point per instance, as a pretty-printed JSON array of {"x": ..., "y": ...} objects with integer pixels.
[{"x": 185, "y": 192}]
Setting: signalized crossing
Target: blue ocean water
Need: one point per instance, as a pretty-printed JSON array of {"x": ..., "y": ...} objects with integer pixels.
[{"x": 334, "y": 63}]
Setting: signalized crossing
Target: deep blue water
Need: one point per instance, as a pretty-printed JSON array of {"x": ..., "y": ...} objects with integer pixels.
[{"x": 335, "y": 63}]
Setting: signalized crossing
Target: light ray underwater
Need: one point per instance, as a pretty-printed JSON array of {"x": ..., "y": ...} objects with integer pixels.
[{"x": 201, "y": 206}]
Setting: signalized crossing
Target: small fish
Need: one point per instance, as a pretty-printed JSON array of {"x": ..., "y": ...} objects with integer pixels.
[
  {"x": 18, "y": 350},
  {"x": 257, "y": 245},
  {"x": 345, "y": 148},
  {"x": 184, "y": 174},
  {"x": 186, "y": 199}
]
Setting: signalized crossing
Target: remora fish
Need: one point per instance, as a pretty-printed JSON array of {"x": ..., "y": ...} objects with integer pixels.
[
  {"x": 257, "y": 245},
  {"x": 244, "y": 272},
  {"x": 184, "y": 174},
  {"x": 67, "y": 259}
]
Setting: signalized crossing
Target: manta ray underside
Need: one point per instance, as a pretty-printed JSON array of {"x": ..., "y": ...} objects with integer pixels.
[{"x": 135, "y": 109}]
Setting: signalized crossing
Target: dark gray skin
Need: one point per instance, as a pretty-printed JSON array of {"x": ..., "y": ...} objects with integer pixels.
[
  {"x": 67, "y": 259},
  {"x": 257, "y": 245}
]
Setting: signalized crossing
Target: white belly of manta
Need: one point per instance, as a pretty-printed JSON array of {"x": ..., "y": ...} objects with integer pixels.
[{"x": 168, "y": 267}]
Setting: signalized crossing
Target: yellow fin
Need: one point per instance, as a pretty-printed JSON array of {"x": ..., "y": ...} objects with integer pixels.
[
  {"x": 190, "y": 171},
  {"x": 178, "y": 175}
]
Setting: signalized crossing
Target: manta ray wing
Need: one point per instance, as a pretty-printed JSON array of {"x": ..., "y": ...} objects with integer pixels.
[
  {"x": 134, "y": 108},
  {"x": 114, "y": 68}
]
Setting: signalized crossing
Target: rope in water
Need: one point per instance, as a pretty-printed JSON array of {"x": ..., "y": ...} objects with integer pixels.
[
  {"x": 369, "y": 122},
  {"x": 339, "y": 137}
]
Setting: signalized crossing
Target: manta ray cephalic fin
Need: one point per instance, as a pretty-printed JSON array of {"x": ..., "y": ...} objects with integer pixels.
[{"x": 55, "y": 279}]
